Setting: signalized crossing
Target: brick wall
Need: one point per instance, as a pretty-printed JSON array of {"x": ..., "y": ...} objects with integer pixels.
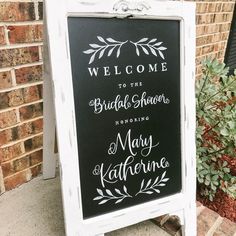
[
  {"x": 21, "y": 106},
  {"x": 21, "y": 79},
  {"x": 213, "y": 20}
]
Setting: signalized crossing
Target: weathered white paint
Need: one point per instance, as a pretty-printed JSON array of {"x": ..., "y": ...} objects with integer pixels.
[
  {"x": 182, "y": 203},
  {"x": 49, "y": 157}
]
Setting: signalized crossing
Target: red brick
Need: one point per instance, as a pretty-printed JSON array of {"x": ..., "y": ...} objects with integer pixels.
[
  {"x": 25, "y": 33},
  {"x": 204, "y": 40},
  {"x": 224, "y": 36},
  {"x": 29, "y": 74},
  {"x": 31, "y": 111},
  {"x": 227, "y": 7},
  {"x": 18, "y": 56},
  {"x": 225, "y": 27},
  {"x": 201, "y": 7},
  {"x": 11, "y": 152},
  {"x": 21, "y": 131},
  {"x": 5, "y": 79},
  {"x": 212, "y": 29},
  {"x": 36, "y": 157},
  {"x": 214, "y": 7},
  {"x": 40, "y": 10},
  {"x": 36, "y": 170},
  {"x": 8, "y": 119},
  {"x": 15, "y": 98},
  {"x": 198, "y": 52},
  {"x": 205, "y": 19},
  {"x": 37, "y": 125},
  {"x": 17, "y": 11},
  {"x": 220, "y": 46},
  {"x": 223, "y": 17},
  {"x": 37, "y": 141},
  {"x": 40, "y": 89},
  {"x": 17, "y": 179},
  {"x": 207, "y": 49},
  {"x": 21, "y": 164},
  {"x": 227, "y": 228},
  {"x": 11, "y": 99},
  {"x": 2, "y": 36},
  {"x": 6, "y": 136},
  {"x": 31, "y": 94},
  {"x": 25, "y": 130},
  {"x": 205, "y": 221},
  {"x": 7, "y": 169},
  {"x": 4, "y": 100},
  {"x": 33, "y": 143}
]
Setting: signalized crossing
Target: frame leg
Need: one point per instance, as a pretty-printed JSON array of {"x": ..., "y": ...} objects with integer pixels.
[
  {"x": 49, "y": 137},
  {"x": 190, "y": 224},
  {"x": 49, "y": 156}
]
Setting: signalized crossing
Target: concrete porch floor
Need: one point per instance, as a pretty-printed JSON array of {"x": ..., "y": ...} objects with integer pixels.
[{"x": 35, "y": 209}]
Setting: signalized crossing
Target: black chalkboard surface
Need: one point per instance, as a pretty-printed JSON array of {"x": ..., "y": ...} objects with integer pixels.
[{"x": 126, "y": 82}]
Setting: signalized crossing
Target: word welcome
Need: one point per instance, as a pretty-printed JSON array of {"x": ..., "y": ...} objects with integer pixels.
[{"x": 128, "y": 70}]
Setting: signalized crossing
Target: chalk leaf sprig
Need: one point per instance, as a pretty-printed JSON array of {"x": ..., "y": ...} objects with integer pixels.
[
  {"x": 106, "y": 195},
  {"x": 149, "y": 47},
  {"x": 150, "y": 188},
  {"x": 108, "y": 44}
]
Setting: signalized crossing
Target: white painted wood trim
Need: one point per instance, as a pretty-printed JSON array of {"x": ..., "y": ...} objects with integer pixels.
[{"x": 49, "y": 158}]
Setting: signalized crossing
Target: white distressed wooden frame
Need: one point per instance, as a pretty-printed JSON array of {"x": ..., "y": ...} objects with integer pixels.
[
  {"x": 49, "y": 156},
  {"x": 182, "y": 203}
]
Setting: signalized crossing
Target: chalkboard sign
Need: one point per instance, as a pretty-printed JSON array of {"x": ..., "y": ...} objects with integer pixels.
[
  {"x": 123, "y": 81},
  {"x": 126, "y": 85}
]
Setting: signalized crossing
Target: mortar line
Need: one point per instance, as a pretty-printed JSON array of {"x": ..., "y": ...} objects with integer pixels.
[
  {"x": 209, "y": 44},
  {"x": 216, "y": 224},
  {"x": 21, "y": 140},
  {"x": 21, "y": 23},
  {"x": 37, "y": 63},
  {"x": 21, "y": 86},
  {"x": 36, "y": 7},
  {"x": 213, "y": 34},
  {"x": 22, "y": 122},
  {"x": 23, "y": 155},
  {"x": 19, "y": 106},
  {"x": 2, "y": 186},
  {"x": 13, "y": 79},
  {"x": 6, "y": 35},
  {"x": 23, "y": 0},
  {"x": 28, "y": 168},
  {"x": 21, "y": 45}
]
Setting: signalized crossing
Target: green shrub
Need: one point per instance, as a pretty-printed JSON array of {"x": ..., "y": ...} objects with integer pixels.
[{"x": 216, "y": 129}]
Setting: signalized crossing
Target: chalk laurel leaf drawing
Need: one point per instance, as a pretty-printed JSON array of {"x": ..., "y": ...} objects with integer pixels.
[
  {"x": 153, "y": 187},
  {"x": 149, "y": 47},
  {"x": 108, "y": 45},
  {"x": 106, "y": 195}
]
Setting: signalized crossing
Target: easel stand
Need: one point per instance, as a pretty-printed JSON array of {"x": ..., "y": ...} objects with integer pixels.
[
  {"x": 49, "y": 137},
  {"x": 58, "y": 97}
]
